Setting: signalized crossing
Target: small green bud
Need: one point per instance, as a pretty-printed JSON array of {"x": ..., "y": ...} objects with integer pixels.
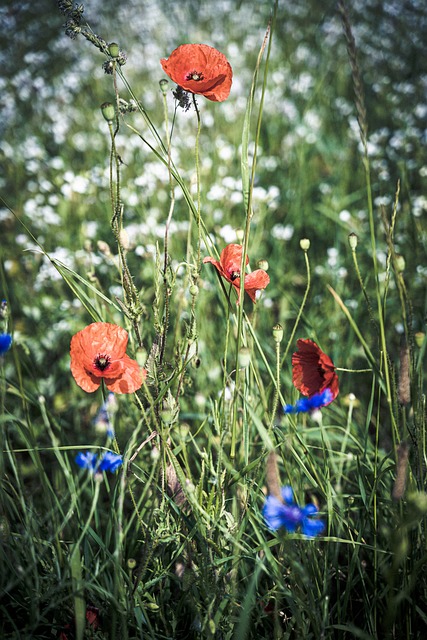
[
  {"x": 419, "y": 339},
  {"x": 304, "y": 243},
  {"x": 352, "y": 241},
  {"x": 114, "y": 49},
  {"x": 263, "y": 264},
  {"x": 131, "y": 563},
  {"x": 167, "y": 416},
  {"x": 194, "y": 290},
  {"x": 244, "y": 357},
  {"x": 400, "y": 263},
  {"x": 108, "y": 111},
  {"x": 278, "y": 333},
  {"x": 164, "y": 84}
]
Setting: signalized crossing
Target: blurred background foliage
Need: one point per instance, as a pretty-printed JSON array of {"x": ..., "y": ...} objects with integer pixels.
[{"x": 54, "y": 154}]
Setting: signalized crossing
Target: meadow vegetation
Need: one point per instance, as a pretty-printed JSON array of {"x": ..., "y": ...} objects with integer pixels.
[{"x": 139, "y": 511}]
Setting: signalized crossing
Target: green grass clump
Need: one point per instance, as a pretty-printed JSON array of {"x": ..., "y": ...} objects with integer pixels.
[{"x": 315, "y": 166}]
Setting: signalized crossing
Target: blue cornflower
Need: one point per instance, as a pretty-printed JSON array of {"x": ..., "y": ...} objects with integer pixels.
[
  {"x": 108, "y": 462},
  {"x": 304, "y": 405},
  {"x": 288, "y": 514},
  {"x": 5, "y": 342}
]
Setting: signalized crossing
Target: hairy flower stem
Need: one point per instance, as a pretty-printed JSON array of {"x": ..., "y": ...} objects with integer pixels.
[
  {"x": 277, "y": 387},
  {"x": 362, "y": 286},
  {"x": 248, "y": 184},
  {"x": 166, "y": 288},
  {"x": 197, "y": 162},
  {"x": 304, "y": 300}
]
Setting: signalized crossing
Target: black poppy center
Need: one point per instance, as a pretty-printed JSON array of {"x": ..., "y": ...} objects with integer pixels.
[
  {"x": 102, "y": 361},
  {"x": 195, "y": 75},
  {"x": 234, "y": 275}
]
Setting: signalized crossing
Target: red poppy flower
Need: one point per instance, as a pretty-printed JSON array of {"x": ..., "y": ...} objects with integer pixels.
[
  {"x": 99, "y": 352},
  {"x": 200, "y": 69},
  {"x": 313, "y": 371},
  {"x": 229, "y": 268}
]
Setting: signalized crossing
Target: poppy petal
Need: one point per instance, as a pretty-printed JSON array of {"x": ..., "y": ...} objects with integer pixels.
[
  {"x": 130, "y": 379},
  {"x": 231, "y": 258},
  {"x": 85, "y": 380},
  {"x": 256, "y": 281},
  {"x": 200, "y": 69},
  {"x": 216, "y": 264},
  {"x": 313, "y": 371}
]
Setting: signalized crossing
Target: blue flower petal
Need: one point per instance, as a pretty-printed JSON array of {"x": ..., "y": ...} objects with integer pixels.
[
  {"x": 288, "y": 494},
  {"x": 304, "y": 405},
  {"x": 86, "y": 460},
  {"x": 312, "y": 527},
  {"x": 290, "y": 516},
  {"x": 277, "y": 515},
  {"x": 110, "y": 462},
  {"x": 5, "y": 342}
]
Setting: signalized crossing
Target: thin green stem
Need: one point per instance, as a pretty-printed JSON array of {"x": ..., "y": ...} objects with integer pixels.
[
  {"x": 277, "y": 386},
  {"x": 197, "y": 162},
  {"x": 304, "y": 300}
]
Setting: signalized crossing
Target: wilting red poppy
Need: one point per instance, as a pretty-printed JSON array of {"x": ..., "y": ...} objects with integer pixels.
[
  {"x": 229, "y": 268},
  {"x": 313, "y": 371},
  {"x": 200, "y": 69},
  {"x": 99, "y": 352}
]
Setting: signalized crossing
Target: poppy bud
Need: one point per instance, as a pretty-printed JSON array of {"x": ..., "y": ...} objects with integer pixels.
[
  {"x": 164, "y": 85},
  {"x": 400, "y": 263},
  {"x": 194, "y": 289},
  {"x": 108, "y": 111},
  {"x": 419, "y": 339},
  {"x": 278, "y": 333},
  {"x": 167, "y": 416},
  {"x": 352, "y": 241},
  {"x": 244, "y": 357},
  {"x": 124, "y": 239},
  {"x": 114, "y": 49},
  {"x": 263, "y": 264},
  {"x": 131, "y": 563},
  {"x": 304, "y": 243},
  {"x": 104, "y": 248}
]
